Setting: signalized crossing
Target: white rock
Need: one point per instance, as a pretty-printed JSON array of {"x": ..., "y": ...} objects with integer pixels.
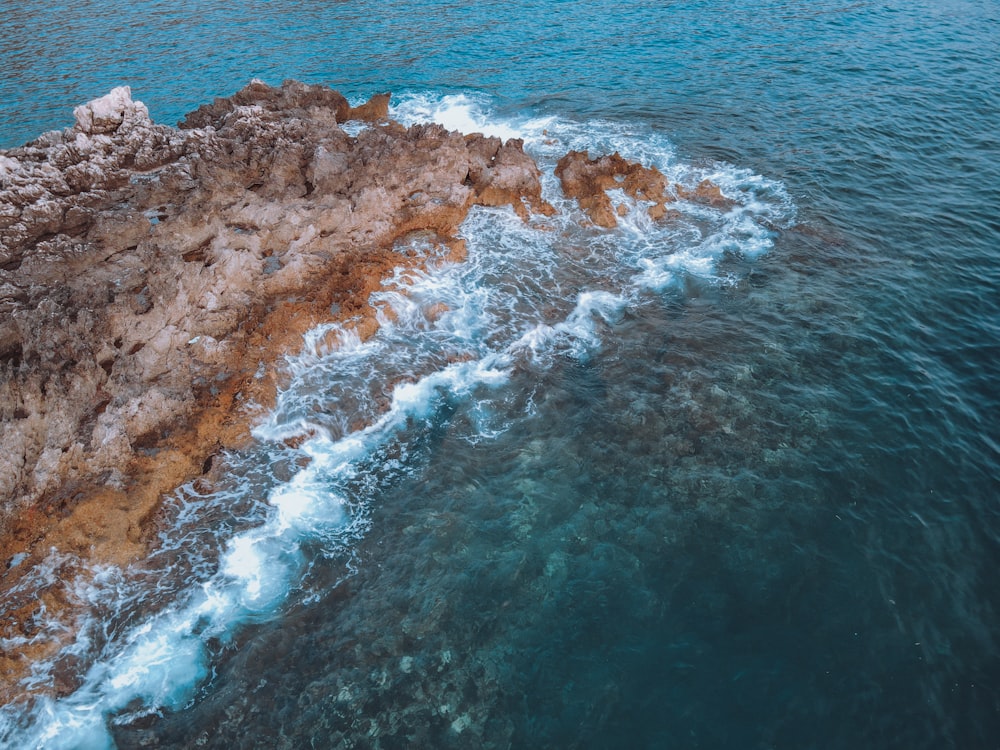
[
  {"x": 8, "y": 166},
  {"x": 105, "y": 114}
]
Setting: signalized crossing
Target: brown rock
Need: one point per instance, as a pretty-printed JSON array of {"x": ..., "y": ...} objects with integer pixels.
[
  {"x": 588, "y": 180},
  {"x": 292, "y": 97},
  {"x": 502, "y": 174},
  {"x": 434, "y": 312},
  {"x": 375, "y": 109},
  {"x": 147, "y": 271},
  {"x": 705, "y": 191}
]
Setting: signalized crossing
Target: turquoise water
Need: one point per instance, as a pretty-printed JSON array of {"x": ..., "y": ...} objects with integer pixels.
[{"x": 731, "y": 482}]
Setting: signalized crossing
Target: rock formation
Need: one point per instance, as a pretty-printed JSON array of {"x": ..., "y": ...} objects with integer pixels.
[
  {"x": 149, "y": 276},
  {"x": 589, "y": 180}
]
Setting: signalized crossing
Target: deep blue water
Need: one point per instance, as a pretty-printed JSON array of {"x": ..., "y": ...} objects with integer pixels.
[{"x": 750, "y": 498}]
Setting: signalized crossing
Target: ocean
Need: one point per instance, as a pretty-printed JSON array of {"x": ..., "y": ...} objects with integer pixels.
[{"x": 730, "y": 480}]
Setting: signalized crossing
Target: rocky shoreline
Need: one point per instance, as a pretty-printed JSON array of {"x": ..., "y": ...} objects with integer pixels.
[{"x": 151, "y": 276}]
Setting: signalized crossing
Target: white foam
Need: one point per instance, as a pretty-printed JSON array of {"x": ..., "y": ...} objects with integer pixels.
[
  {"x": 460, "y": 112},
  {"x": 354, "y": 127},
  {"x": 256, "y": 568},
  {"x": 324, "y": 340},
  {"x": 578, "y": 332}
]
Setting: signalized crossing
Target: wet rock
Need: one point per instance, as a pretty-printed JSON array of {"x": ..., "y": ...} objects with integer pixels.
[
  {"x": 588, "y": 180},
  {"x": 375, "y": 109},
  {"x": 705, "y": 191},
  {"x": 502, "y": 174}
]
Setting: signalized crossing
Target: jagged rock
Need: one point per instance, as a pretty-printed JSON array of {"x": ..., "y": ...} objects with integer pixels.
[
  {"x": 293, "y": 97},
  {"x": 139, "y": 261},
  {"x": 502, "y": 174},
  {"x": 375, "y": 109},
  {"x": 705, "y": 191},
  {"x": 588, "y": 180},
  {"x": 106, "y": 114}
]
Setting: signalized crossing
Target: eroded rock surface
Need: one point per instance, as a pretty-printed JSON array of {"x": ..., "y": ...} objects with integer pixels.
[
  {"x": 589, "y": 180},
  {"x": 147, "y": 272}
]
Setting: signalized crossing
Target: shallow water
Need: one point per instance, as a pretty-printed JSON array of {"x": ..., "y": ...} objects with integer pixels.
[{"x": 727, "y": 481}]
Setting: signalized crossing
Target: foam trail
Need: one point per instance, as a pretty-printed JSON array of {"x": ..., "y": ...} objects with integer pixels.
[
  {"x": 166, "y": 657},
  {"x": 578, "y": 332}
]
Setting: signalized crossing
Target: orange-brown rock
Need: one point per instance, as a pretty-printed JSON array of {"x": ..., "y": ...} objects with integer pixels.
[
  {"x": 588, "y": 180},
  {"x": 705, "y": 191},
  {"x": 375, "y": 109},
  {"x": 150, "y": 276},
  {"x": 502, "y": 174}
]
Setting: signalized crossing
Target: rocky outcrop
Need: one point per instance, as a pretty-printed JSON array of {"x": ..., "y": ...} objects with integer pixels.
[
  {"x": 589, "y": 180},
  {"x": 149, "y": 275}
]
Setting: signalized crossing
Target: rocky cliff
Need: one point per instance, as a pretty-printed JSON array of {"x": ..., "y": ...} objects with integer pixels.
[{"x": 150, "y": 276}]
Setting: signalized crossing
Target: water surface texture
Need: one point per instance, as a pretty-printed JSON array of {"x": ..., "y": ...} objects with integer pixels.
[{"x": 731, "y": 480}]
